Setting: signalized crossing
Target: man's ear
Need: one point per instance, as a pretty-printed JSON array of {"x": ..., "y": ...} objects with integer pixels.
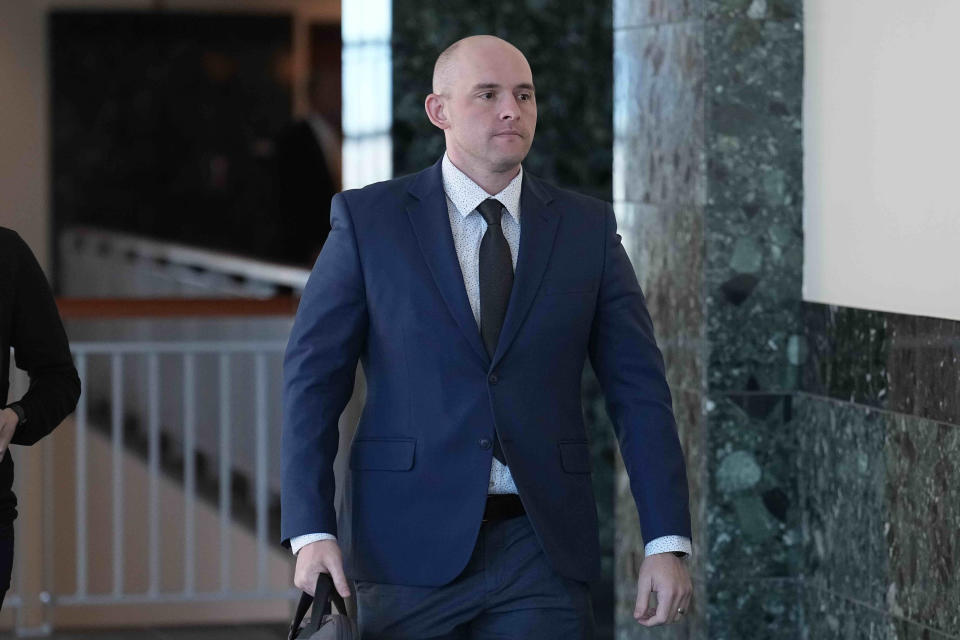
[{"x": 437, "y": 111}]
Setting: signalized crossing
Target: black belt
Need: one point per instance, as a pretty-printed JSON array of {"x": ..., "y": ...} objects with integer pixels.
[{"x": 502, "y": 507}]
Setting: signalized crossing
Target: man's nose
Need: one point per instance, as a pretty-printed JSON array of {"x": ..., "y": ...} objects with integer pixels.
[{"x": 510, "y": 110}]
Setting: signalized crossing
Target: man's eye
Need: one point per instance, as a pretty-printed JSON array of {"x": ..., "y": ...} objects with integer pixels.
[
  {"x": 487, "y": 95},
  {"x": 525, "y": 97}
]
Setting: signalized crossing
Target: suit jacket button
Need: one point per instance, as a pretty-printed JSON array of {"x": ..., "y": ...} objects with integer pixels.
[
  {"x": 493, "y": 378},
  {"x": 485, "y": 444}
]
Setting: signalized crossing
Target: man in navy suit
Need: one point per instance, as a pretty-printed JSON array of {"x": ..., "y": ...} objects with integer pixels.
[{"x": 473, "y": 293}]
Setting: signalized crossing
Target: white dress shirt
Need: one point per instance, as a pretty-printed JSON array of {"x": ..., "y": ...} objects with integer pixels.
[{"x": 468, "y": 226}]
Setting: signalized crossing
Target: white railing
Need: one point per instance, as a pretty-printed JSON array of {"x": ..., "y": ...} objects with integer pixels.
[
  {"x": 99, "y": 441},
  {"x": 188, "y": 353}
]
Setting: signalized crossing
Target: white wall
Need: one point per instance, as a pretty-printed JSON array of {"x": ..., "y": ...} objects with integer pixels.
[{"x": 882, "y": 155}]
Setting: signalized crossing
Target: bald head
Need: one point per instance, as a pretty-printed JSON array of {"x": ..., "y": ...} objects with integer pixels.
[
  {"x": 484, "y": 101},
  {"x": 451, "y": 61}
]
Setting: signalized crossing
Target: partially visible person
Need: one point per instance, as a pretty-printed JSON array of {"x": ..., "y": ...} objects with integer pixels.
[
  {"x": 30, "y": 324},
  {"x": 308, "y": 175}
]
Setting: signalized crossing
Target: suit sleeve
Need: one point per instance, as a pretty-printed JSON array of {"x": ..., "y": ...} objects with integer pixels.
[
  {"x": 41, "y": 349},
  {"x": 629, "y": 366},
  {"x": 319, "y": 368}
]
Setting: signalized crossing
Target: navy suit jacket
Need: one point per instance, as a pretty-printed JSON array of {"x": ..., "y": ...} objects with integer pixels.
[{"x": 387, "y": 290}]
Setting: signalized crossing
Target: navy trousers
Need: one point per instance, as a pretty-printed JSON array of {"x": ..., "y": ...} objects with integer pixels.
[{"x": 507, "y": 590}]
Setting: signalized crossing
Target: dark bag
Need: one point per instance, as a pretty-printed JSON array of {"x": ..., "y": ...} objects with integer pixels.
[{"x": 323, "y": 625}]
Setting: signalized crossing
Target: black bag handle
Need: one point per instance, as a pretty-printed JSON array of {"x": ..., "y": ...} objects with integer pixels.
[{"x": 324, "y": 593}]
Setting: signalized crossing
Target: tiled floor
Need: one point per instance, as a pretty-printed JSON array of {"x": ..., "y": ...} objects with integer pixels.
[{"x": 244, "y": 632}]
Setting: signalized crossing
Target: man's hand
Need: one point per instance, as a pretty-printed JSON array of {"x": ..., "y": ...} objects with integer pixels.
[
  {"x": 667, "y": 575},
  {"x": 322, "y": 556},
  {"x": 8, "y": 425}
]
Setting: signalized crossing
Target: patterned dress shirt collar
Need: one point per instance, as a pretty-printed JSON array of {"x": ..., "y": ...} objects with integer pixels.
[{"x": 466, "y": 194}]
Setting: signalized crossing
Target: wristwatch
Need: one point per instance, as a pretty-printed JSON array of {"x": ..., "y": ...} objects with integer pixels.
[{"x": 21, "y": 416}]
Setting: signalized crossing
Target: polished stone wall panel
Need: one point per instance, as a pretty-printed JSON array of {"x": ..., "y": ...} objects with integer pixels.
[
  {"x": 753, "y": 228},
  {"x": 658, "y": 114},
  {"x": 754, "y": 511},
  {"x": 754, "y": 9},
  {"x": 881, "y": 496},
  {"x": 756, "y": 348},
  {"x": 640, "y": 13},
  {"x": 659, "y": 193},
  {"x": 754, "y": 80},
  {"x": 762, "y": 347},
  {"x": 907, "y": 364},
  {"x": 764, "y": 609},
  {"x": 665, "y": 245},
  {"x": 827, "y": 615},
  {"x": 842, "y": 466},
  {"x": 726, "y": 88},
  {"x": 923, "y": 501},
  {"x": 848, "y": 354}
]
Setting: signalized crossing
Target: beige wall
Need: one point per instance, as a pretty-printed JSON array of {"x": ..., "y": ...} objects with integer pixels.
[{"x": 23, "y": 131}]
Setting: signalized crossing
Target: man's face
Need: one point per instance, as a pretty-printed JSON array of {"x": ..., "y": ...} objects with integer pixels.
[{"x": 492, "y": 107}]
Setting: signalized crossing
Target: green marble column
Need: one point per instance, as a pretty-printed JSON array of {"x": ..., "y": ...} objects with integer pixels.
[
  {"x": 707, "y": 188},
  {"x": 659, "y": 197}
]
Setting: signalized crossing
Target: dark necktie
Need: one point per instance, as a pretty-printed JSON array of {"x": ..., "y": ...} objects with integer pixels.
[{"x": 496, "y": 281}]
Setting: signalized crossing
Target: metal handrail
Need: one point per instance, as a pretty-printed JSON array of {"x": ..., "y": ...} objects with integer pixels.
[{"x": 164, "y": 251}]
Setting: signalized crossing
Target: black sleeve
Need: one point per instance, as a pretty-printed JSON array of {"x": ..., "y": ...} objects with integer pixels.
[{"x": 41, "y": 349}]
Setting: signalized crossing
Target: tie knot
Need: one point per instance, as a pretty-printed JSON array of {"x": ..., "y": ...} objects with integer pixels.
[{"x": 491, "y": 210}]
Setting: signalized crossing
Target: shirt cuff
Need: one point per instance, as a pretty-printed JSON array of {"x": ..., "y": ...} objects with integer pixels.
[
  {"x": 299, "y": 542},
  {"x": 668, "y": 544}
]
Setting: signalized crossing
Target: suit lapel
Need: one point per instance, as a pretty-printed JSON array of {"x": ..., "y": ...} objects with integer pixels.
[
  {"x": 538, "y": 228},
  {"x": 431, "y": 225}
]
